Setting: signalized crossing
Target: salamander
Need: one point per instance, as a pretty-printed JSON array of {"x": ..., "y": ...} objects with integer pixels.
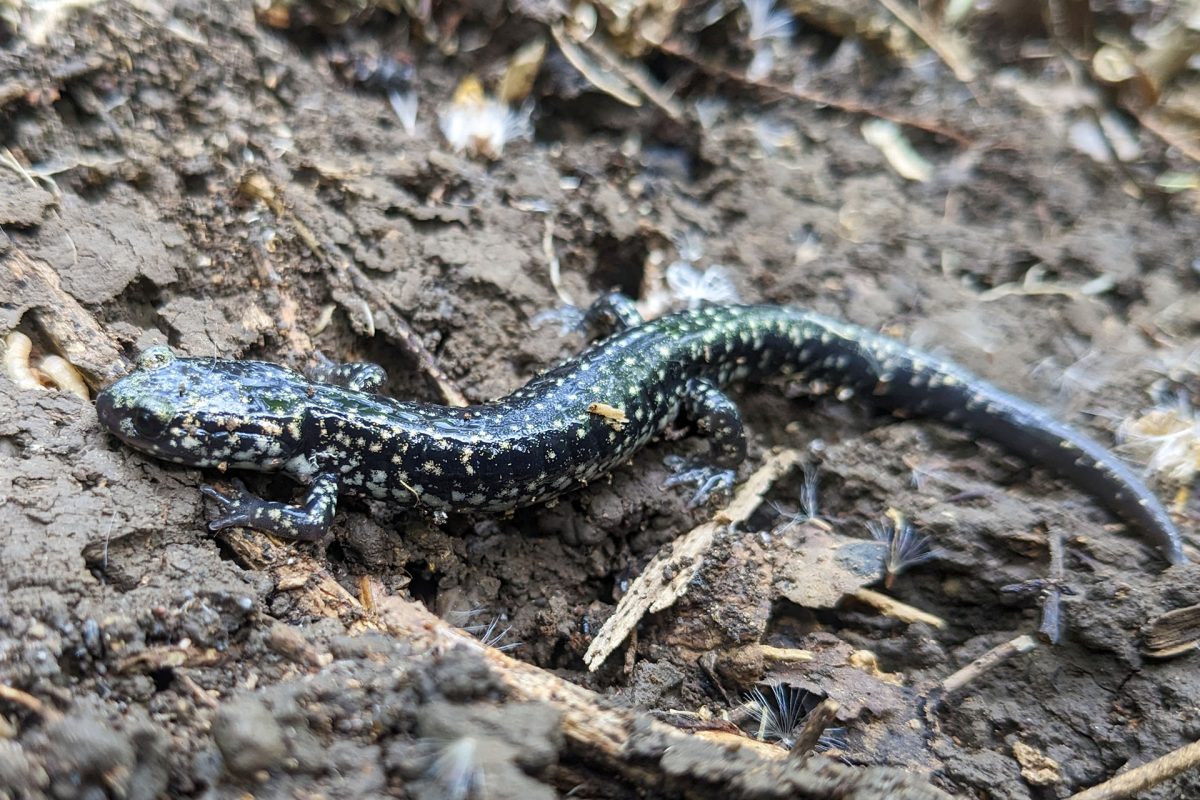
[{"x": 334, "y": 432}]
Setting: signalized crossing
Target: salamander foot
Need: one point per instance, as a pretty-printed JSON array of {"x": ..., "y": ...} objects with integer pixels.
[{"x": 712, "y": 483}]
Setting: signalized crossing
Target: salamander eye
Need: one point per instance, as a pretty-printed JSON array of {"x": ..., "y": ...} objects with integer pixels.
[
  {"x": 148, "y": 424},
  {"x": 154, "y": 357}
]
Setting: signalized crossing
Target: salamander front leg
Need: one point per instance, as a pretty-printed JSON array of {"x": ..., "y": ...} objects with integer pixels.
[
  {"x": 610, "y": 313},
  {"x": 717, "y": 418},
  {"x": 360, "y": 376},
  {"x": 309, "y": 522}
]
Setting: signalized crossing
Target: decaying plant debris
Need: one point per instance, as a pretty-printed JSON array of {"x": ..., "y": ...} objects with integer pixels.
[{"x": 887, "y": 609}]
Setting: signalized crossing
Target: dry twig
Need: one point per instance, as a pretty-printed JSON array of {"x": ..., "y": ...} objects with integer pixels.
[
  {"x": 814, "y": 725},
  {"x": 197, "y": 692},
  {"x": 992, "y": 658},
  {"x": 29, "y": 703},
  {"x": 634, "y": 74},
  {"x": 668, "y": 574},
  {"x": 849, "y": 106},
  {"x": 1050, "y": 628},
  {"x": 948, "y": 47},
  {"x": 1138, "y": 779},
  {"x": 891, "y": 607}
]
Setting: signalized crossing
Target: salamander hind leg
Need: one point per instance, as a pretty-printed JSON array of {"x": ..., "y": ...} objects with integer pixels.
[
  {"x": 309, "y": 522},
  {"x": 718, "y": 419},
  {"x": 360, "y": 376}
]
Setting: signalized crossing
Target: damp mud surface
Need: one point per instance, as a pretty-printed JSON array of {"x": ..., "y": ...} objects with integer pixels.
[{"x": 196, "y": 175}]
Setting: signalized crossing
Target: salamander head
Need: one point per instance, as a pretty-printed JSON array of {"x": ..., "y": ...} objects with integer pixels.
[{"x": 208, "y": 412}]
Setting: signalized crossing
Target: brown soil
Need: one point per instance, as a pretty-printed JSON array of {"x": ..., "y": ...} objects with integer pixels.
[{"x": 148, "y": 660}]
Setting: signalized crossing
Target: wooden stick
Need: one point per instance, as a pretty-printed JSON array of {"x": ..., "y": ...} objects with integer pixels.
[
  {"x": 668, "y": 574},
  {"x": 29, "y": 703},
  {"x": 814, "y": 725},
  {"x": 992, "y": 658},
  {"x": 1127, "y": 784},
  {"x": 891, "y": 607},
  {"x": 1050, "y": 627}
]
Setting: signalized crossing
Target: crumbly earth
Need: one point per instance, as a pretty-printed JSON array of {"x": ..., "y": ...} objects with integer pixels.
[{"x": 198, "y": 178}]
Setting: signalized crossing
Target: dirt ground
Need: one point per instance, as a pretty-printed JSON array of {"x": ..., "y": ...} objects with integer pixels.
[{"x": 198, "y": 176}]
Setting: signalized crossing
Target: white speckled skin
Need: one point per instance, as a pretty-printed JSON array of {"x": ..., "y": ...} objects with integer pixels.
[{"x": 569, "y": 425}]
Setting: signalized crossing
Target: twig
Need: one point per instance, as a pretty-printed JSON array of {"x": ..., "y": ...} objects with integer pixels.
[
  {"x": 612, "y": 84},
  {"x": 849, "y": 106},
  {"x": 197, "y": 692},
  {"x": 365, "y": 595},
  {"x": 947, "y": 47},
  {"x": 632, "y": 745},
  {"x": 553, "y": 262},
  {"x": 29, "y": 703},
  {"x": 814, "y": 725},
  {"x": 784, "y": 655},
  {"x": 1050, "y": 628},
  {"x": 891, "y": 607},
  {"x": 668, "y": 574},
  {"x": 1140, "y": 778},
  {"x": 316, "y": 593},
  {"x": 992, "y": 658},
  {"x": 634, "y": 74}
]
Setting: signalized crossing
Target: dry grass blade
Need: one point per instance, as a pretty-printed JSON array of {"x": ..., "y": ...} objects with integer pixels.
[
  {"x": 30, "y": 703},
  {"x": 631, "y": 73},
  {"x": 945, "y": 44},
  {"x": 612, "y": 84},
  {"x": 849, "y": 106}
]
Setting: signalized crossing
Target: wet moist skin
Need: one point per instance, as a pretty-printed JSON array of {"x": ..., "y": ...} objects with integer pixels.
[{"x": 570, "y": 425}]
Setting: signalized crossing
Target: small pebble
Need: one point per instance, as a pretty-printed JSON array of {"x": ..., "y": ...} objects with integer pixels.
[{"x": 249, "y": 738}]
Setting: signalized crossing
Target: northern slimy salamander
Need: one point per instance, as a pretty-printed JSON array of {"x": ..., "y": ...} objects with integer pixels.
[{"x": 571, "y": 424}]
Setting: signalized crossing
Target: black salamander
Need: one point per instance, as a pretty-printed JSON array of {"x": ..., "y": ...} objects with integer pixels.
[{"x": 571, "y": 424}]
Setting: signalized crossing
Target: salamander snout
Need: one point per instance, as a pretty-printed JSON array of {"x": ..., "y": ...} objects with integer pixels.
[{"x": 135, "y": 408}]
